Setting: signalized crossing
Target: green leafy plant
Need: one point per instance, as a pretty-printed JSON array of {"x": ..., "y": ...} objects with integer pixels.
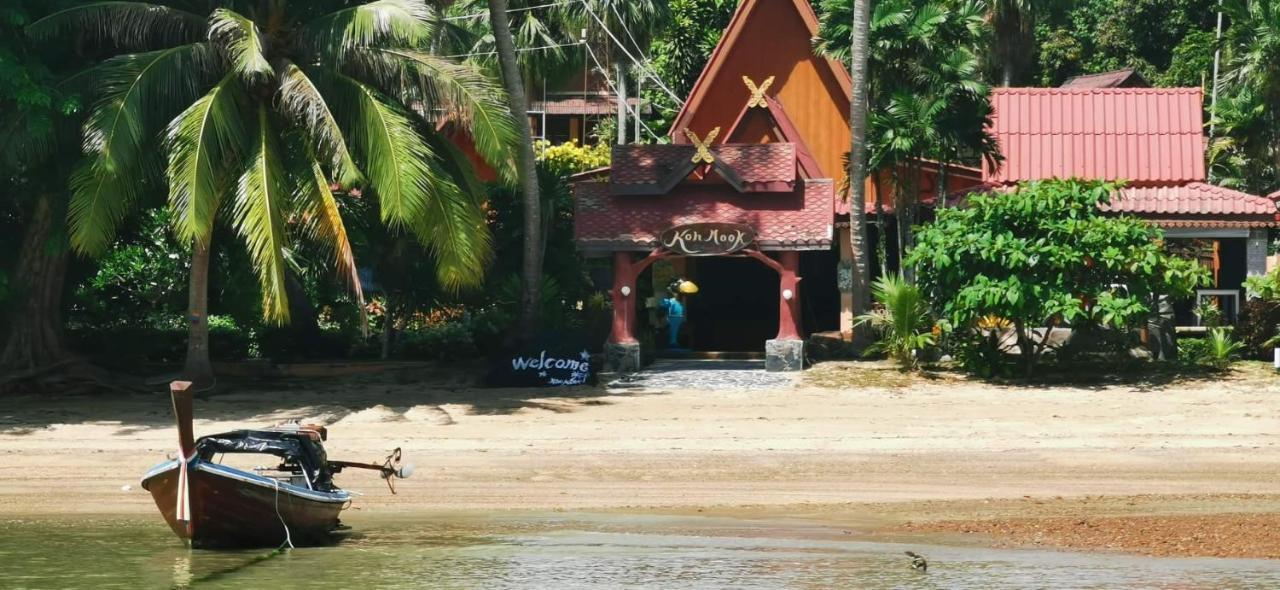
[
  {"x": 901, "y": 319},
  {"x": 1266, "y": 286},
  {"x": 1209, "y": 313},
  {"x": 1221, "y": 350},
  {"x": 1044, "y": 256}
]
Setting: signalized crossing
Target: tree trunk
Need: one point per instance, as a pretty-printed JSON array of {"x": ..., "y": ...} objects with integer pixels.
[
  {"x": 304, "y": 321},
  {"x": 906, "y": 220},
  {"x": 198, "y": 369},
  {"x": 882, "y": 233},
  {"x": 35, "y": 331},
  {"x": 858, "y": 160},
  {"x": 620, "y": 74},
  {"x": 388, "y": 328},
  {"x": 531, "y": 269}
]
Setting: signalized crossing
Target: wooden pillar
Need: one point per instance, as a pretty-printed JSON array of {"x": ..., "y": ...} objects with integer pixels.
[
  {"x": 624, "y": 299},
  {"x": 789, "y": 296},
  {"x": 844, "y": 270}
]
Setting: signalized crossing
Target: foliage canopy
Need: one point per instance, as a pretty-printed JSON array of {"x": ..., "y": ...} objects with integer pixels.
[
  {"x": 261, "y": 112},
  {"x": 1044, "y": 255}
]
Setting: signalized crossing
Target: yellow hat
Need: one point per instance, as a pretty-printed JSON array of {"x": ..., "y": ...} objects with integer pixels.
[{"x": 688, "y": 288}]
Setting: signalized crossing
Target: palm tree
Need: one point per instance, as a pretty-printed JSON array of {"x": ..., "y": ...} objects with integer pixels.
[
  {"x": 1013, "y": 44},
  {"x": 859, "y": 52},
  {"x": 531, "y": 267},
  {"x": 532, "y": 24},
  {"x": 1247, "y": 129},
  {"x": 925, "y": 91},
  {"x": 262, "y": 113}
]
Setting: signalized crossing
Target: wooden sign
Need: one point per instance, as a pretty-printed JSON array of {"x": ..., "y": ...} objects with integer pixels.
[{"x": 707, "y": 239}]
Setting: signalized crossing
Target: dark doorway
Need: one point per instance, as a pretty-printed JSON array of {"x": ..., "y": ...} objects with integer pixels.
[
  {"x": 819, "y": 291},
  {"x": 736, "y": 308}
]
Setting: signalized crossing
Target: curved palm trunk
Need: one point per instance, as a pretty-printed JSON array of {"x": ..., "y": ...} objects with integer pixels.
[
  {"x": 35, "y": 335},
  {"x": 531, "y": 270},
  {"x": 198, "y": 369},
  {"x": 858, "y": 160}
]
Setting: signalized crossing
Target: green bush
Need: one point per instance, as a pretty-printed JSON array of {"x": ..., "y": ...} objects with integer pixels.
[
  {"x": 571, "y": 158},
  {"x": 446, "y": 341},
  {"x": 1216, "y": 350},
  {"x": 902, "y": 321},
  {"x": 127, "y": 345},
  {"x": 1044, "y": 255},
  {"x": 1259, "y": 325},
  {"x": 1192, "y": 349}
]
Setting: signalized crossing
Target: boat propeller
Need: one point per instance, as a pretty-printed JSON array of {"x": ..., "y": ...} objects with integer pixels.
[
  {"x": 393, "y": 467},
  {"x": 390, "y": 469}
]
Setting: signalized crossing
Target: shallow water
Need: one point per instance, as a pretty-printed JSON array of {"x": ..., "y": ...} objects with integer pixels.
[{"x": 514, "y": 550}]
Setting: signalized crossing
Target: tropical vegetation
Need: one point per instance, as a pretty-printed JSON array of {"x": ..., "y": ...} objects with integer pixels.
[
  {"x": 926, "y": 96},
  {"x": 902, "y": 321},
  {"x": 197, "y": 174},
  {"x": 266, "y": 118},
  {"x": 1042, "y": 257}
]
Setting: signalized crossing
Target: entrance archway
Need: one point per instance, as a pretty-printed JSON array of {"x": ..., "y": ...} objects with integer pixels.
[
  {"x": 622, "y": 352},
  {"x": 736, "y": 308}
]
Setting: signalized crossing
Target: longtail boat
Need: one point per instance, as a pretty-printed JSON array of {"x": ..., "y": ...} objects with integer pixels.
[{"x": 295, "y": 503}]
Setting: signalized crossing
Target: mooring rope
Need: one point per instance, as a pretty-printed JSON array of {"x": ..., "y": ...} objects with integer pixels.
[{"x": 288, "y": 539}]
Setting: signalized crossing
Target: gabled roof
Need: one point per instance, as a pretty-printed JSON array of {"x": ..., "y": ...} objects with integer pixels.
[
  {"x": 1140, "y": 135},
  {"x": 1124, "y": 78},
  {"x": 1191, "y": 199},
  {"x": 657, "y": 169},
  {"x": 783, "y": 130},
  {"x": 733, "y": 35},
  {"x": 1192, "y": 204}
]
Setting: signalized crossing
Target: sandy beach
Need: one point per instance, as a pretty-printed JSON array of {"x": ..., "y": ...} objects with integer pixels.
[{"x": 1113, "y": 466}]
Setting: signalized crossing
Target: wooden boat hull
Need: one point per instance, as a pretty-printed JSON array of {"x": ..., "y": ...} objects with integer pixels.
[{"x": 234, "y": 508}]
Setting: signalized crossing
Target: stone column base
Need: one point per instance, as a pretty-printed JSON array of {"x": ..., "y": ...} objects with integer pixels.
[
  {"x": 783, "y": 355},
  {"x": 622, "y": 357}
]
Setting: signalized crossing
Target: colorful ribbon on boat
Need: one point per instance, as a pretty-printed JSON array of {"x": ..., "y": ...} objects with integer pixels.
[{"x": 182, "y": 513}]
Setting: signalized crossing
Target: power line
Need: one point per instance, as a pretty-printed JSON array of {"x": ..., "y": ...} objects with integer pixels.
[
  {"x": 518, "y": 50},
  {"x": 620, "y": 45},
  {"x": 634, "y": 111},
  {"x": 623, "y": 22},
  {"x": 509, "y": 11}
]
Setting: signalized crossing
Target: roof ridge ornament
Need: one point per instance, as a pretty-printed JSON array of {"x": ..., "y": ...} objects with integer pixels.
[
  {"x": 703, "y": 146},
  {"x": 757, "y": 93}
]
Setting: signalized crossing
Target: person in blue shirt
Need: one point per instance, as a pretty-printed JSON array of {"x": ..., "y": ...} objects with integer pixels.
[{"x": 673, "y": 307}]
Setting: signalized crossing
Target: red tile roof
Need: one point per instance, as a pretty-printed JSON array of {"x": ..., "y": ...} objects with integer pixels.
[
  {"x": 784, "y": 131},
  {"x": 758, "y": 163},
  {"x": 1193, "y": 204},
  {"x": 1194, "y": 198},
  {"x": 592, "y": 105},
  {"x": 759, "y": 166},
  {"x": 1141, "y": 135},
  {"x": 646, "y": 164},
  {"x": 799, "y": 219}
]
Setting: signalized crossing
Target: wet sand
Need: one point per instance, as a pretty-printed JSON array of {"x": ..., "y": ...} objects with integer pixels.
[{"x": 943, "y": 457}]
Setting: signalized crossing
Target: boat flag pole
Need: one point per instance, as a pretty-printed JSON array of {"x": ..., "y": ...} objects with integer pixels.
[{"x": 180, "y": 392}]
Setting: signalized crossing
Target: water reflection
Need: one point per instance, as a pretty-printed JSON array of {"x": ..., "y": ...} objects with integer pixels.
[{"x": 530, "y": 551}]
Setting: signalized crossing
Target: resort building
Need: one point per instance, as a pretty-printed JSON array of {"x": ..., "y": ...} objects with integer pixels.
[{"x": 745, "y": 202}]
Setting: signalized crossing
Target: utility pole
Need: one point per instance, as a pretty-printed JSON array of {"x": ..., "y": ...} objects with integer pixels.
[{"x": 636, "y": 114}]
